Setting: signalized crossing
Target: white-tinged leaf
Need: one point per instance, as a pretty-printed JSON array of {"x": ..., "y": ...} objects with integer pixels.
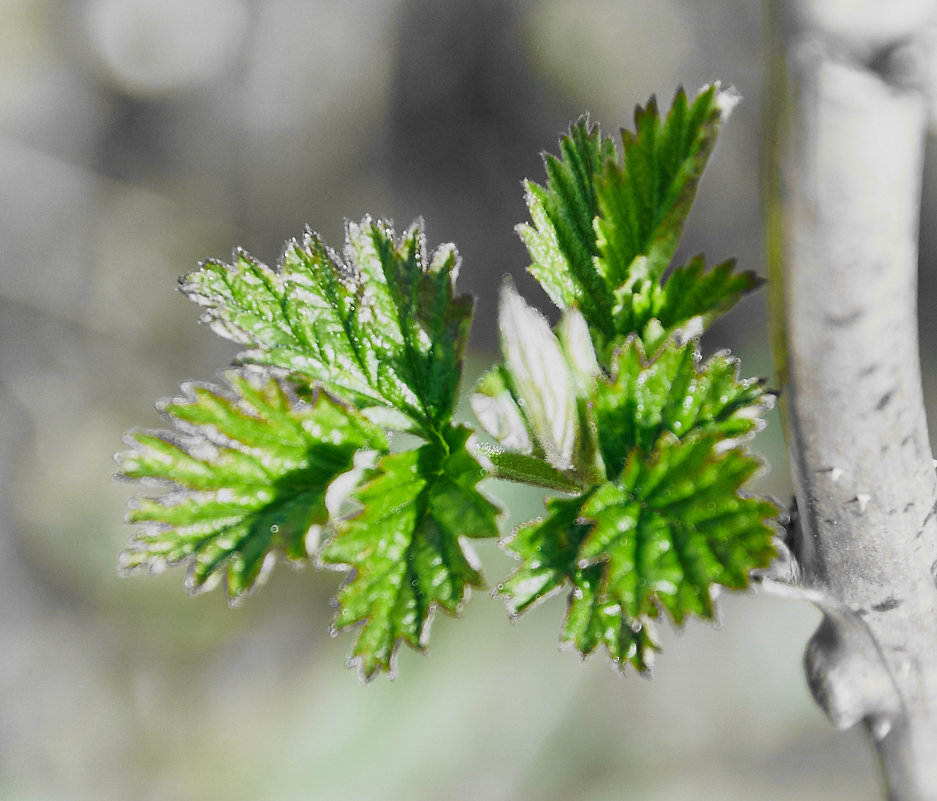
[
  {"x": 496, "y": 410},
  {"x": 541, "y": 377},
  {"x": 574, "y": 336}
]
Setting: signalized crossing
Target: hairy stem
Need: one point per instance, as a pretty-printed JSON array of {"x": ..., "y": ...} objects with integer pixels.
[{"x": 843, "y": 222}]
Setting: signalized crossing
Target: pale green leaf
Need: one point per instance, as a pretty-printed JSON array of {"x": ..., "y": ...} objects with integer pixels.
[
  {"x": 537, "y": 403},
  {"x": 378, "y": 325},
  {"x": 540, "y": 376},
  {"x": 246, "y": 471}
]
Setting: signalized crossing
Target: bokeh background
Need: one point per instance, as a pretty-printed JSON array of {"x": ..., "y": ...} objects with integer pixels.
[{"x": 137, "y": 138}]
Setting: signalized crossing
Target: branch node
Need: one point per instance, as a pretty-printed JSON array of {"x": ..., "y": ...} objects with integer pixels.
[{"x": 847, "y": 676}]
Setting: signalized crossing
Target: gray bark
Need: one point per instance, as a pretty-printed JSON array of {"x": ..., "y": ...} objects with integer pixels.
[{"x": 844, "y": 223}]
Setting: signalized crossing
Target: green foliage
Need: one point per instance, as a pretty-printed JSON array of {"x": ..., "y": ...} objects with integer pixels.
[
  {"x": 666, "y": 516},
  {"x": 649, "y": 443},
  {"x": 531, "y": 403},
  {"x": 251, "y": 472},
  {"x": 612, "y": 409},
  {"x": 562, "y": 242},
  {"x": 248, "y": 470},
  {"x": 606, "y": 226},
  {"x": 671, "y": 392},
  {"x": 404, "y": 548},
  {"x": 655, "y": 537},
  {"x": 379, "y": 327}
]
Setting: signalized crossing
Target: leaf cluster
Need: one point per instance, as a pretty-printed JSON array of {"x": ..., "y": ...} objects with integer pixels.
[
  {"x": 642, "y": 443},
  {"x": 614, "y": 408},
  {"x": 294, "y": 457}
]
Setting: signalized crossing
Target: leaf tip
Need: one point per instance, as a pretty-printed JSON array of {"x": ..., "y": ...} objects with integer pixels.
[{"x": 726, "y": 99}]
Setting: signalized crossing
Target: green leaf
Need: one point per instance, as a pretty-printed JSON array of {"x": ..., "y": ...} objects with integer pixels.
[
  {"x": 688, "y": 301},
  {"x": 549, "y": 549},
  {"x": 592, "y": 620},
  {"x": 378, "y": 325},
  {"x": 405, "y": 550},
  {"x": 247, "y": 469},
  {"x": 671, "y": 392},
  {"x": 550, "y": 552},
  {"x": 656, "y": 538},
  {"x": 379, "y": 328},
  {"x": 562, "y": 240},
  {"x": 674, "y": 524},
  {"x": 605, "y": 227},
  {"x": 644, "y": 201},
  {"x": 692, "y": 291}
]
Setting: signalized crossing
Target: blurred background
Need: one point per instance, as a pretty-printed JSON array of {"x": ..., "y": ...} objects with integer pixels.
[{"x": 137, "y": 138}]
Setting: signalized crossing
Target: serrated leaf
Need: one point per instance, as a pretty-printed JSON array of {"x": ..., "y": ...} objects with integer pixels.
[
  {"x": 671, "y": 526},
  {"x": 692, "y": 291},
  {"x": 644, "y": 201},
  {"x": 550, "y": 552},
  {"x": 688, "y": 301},
  {"x": 549, "y": 549},
  {"x": 247, "y": 469},
  {"x": 592, "y": 621},
  {"x": 674, "y": 524},
  {"x": 672, "y": 392},
  {"x": 405, "y": 548},
  {"x": 606, "y": 227},
  {"x": 562, "y": 240},
  {"x": 378, "y": 326}
]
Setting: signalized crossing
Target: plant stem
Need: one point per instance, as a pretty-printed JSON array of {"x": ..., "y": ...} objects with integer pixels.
[
  {"x": 842, "y": 215},
  {"x": 517, "y": 467}
]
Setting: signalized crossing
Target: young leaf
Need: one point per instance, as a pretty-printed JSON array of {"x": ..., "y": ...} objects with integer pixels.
[
  {"x": 692, "y": 291},
  {"x": 644, "y": 202},
  {"x": 562, "y": 241},
  {"x": 550, "y": 549},
  {"x": 606, "y": 227},
  {"x": 380, "y": 329},
  {"x": 378, "y": 326},
  {"x": 535, "y": 404},
  {"x": 405, "y": 549},
  {"x": 671, "y": 392},
  {"x": 674, "y": 524},
  {"x": 495, "y": 404},
  {"x": 657, "y": 537},
  {"x": 688, "y": 301},
  {"x": 247, "y": 470},
  {"x": 540, "y": 375}
]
